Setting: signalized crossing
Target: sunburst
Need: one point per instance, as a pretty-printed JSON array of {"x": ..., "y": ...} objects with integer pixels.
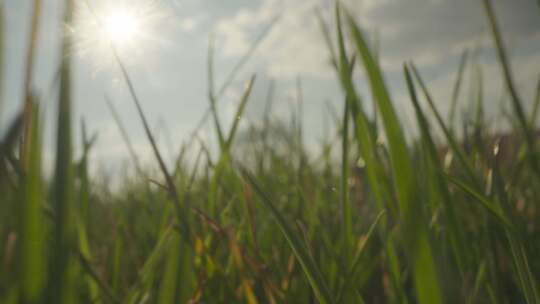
[{"x": 128, "y": 28}]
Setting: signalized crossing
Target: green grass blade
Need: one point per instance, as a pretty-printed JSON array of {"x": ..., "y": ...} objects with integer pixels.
[
  {"x": 169, "y": 282},
  {"x": 457, "y": 88},
  {"x": 83, "y": 219},
  {"x": 367, "y": 147},
  {"x": 399, "y": 154},
  {"x": 517, "y": 104},
  {"x": 211, "y": 93},
  {"x": 171, "y": 186},
  {"x": 491, "y": 207},
  {"x": 436, "y": 180},
  {"x": 225, "y": 153},
  {"x": 32, "y": 237},
  {"x": 28, "y": 98},
  {"x": 148, "y": 273},
  {"x": 355, "y": 266},
  {"x": 61, "y": 287},
  {"x": 346, "y": 209},
  {"x": 427, "y": 286},
  {"x": 125, "y": 136},
  {"x": 456, "y": 148},
  {"x": 309, "y": 267}
]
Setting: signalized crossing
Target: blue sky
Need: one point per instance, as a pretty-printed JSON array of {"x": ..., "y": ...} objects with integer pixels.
[{"x": 169, "y": 66}]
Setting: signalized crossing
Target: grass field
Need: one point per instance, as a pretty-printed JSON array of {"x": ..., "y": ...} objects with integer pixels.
[{"x": 436, "y": 220}]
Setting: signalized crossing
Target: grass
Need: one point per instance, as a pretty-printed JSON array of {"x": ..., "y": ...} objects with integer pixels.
[{"x": 267, "y": 221}]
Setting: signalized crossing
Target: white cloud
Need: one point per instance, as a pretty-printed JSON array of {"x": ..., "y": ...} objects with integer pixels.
[{"x": 427, "y": 31}]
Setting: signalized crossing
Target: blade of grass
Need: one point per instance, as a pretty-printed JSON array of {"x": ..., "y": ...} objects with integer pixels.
[
  {"x": 171, "y": 187},
  {"x": 32, "y": 237},
  {"x": 169, "y": 282},
  {"x": 348, "y": 238},
  {"x": 526, "y": 280},
  {"x": 517, "y": 104},
  {"x": 124, "y": 135},
  {"x": 61, "y": 287},
  {"x": 211, "y": 93},
  {"x": 357, "y": 262},
  {"x": 426, "y": 280},
  {"x": 225, "y": 153},
  {"x": 399, "y": 153},
  {"x": 458, "y": 151},
  {"x": 457, "y": 88},
  {"x": 30, "y": 56},
  {"x": 492, "y": 208},
  {"x": 308, "y": 265},
  {"x": 438, "y": 180},
  {"x": 83, "y": 220},
  {"x": 234, "y": 73},
  {"x": 366, "y": 145}
]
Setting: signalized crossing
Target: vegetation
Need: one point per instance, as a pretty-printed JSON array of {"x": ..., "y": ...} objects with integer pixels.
[{"x": 432, "y": 221}]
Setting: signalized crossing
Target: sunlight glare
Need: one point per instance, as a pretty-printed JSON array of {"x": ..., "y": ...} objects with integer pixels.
[
  {"x": 121, "y": 27},
  {"x": 130, "y": 29}
]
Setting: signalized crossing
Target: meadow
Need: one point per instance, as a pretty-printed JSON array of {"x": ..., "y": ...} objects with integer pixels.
[{"x": 439, "y": 219}]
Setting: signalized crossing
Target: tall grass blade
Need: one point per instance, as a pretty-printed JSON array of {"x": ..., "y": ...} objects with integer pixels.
[
  {"x": 61, "y": 287},
  {"x": 436, "y": 179},
  {"x": 367, "y": 147},
  {"x": 427, "y": 285},
  {"x": 171, "y": 187},
  {"x": 32, "y": 237},
  {"x": 28, "y": 98}
]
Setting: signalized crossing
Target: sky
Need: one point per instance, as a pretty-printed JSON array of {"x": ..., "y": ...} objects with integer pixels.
[{"x": 168, "y": 64}]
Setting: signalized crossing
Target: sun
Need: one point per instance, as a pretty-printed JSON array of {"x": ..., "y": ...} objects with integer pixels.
[
  {"x": 120, "y": 27},
  {"x": 128, "y": 29},
  {"x": 132, "y": 30}
]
